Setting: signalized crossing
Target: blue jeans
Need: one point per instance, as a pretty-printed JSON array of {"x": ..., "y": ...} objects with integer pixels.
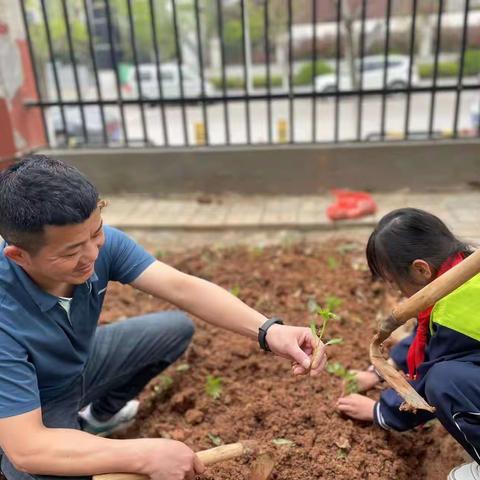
[{"x": 125, "y": 356}]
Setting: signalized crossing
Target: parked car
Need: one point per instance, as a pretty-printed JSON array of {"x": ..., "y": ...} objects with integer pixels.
[
  {"x": 73, "y": 128},
  {"x": 371, "y": 73},
  {"x": 170, "y": 80}
]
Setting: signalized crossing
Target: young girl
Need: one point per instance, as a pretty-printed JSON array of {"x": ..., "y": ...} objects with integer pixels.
[{"x": 409, "y": 248}]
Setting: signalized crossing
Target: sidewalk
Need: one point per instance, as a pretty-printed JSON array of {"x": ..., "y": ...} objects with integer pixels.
[{"x": 460, "y": 210}]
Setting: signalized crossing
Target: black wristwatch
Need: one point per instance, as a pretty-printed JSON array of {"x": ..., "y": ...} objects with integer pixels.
[{"x": 262, "y": 332}]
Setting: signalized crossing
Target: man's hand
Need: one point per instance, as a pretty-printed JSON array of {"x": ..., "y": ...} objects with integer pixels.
[
  {"x": 170, "y": 460},
  {"x": 297, "y": 344}
]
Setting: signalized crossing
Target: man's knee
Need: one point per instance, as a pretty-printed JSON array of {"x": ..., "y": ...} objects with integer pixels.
[
  {"x": 185, "y": 325},
  {"x": 175, "y": 332}
]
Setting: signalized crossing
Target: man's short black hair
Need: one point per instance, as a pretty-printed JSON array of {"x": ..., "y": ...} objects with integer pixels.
[{"x": 38, "y": 191}]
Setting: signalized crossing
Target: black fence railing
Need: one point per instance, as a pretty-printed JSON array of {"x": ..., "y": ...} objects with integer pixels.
[{"x": 242, "y": 72}]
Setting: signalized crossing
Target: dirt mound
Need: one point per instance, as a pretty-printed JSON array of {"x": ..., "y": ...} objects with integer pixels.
[{"x": 258, "y": 398}]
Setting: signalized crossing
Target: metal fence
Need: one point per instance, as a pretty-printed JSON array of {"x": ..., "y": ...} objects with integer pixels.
[{"x": 237, "y": 72}]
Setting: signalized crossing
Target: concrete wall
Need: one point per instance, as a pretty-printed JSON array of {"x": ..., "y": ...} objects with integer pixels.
[{"x": 288, "y": 170}]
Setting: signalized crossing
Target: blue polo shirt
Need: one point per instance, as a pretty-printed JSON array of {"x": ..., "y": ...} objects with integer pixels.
[{"x": 42, "y": 348}]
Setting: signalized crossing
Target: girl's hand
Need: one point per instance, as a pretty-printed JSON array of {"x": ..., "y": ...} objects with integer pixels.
[
  {"x": 356, "y": 406},
  {"x": 365, "y": 380},
  {"x": 297, "y": 344}
]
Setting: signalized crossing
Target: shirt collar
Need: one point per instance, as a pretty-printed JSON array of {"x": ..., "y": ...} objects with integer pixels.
[{"x": 43, "y": 299}]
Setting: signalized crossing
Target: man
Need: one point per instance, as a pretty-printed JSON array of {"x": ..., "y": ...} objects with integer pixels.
[{"x": 55, "y": 265}]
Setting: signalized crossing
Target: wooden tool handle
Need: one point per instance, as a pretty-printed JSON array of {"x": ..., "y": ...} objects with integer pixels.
[
  {"x": 433, "y": 292},
  {"x": 208, "y": 457}
]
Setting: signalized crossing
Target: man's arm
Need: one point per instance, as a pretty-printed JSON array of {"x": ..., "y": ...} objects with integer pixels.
[
  {"x": 36, "y": 449},
  {"x": 218, "y": 307}
]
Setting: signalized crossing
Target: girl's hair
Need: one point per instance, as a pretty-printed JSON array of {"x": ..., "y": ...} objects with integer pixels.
[{"x": 408, "y": 234}]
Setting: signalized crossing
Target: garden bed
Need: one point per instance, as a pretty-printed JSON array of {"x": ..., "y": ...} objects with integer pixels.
[{"x": 258, "y": 398}]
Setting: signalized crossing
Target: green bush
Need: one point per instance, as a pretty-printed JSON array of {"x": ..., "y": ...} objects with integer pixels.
[
  {"x": 445, "y": 69},
  {"x": 471, "y": 64},
  {"x": 306, "y": 74},
  {"x": 231, "y": 82},
  {"x": 259, "y": 81}
]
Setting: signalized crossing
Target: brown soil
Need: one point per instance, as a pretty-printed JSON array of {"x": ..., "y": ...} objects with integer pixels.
[{"x": 260, "y": 399}]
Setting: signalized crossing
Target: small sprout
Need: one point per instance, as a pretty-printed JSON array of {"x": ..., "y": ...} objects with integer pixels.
[
  {"x": 337, "y": 369},
  {"x": 342, "y": 454},
  {"x": 166, "y": 381},
  {"x": 160, "y": 254},
  {"x": 326, "y": 315},
  {"x": 235, "y": 291},
  {"x": 332, "y": 263},
  {"x": 429, "y": 424},
  {"x": 333, "y": 302},
  {"x": 213, "y": 386},
  {"x": 347, "y": 248},
  {"x": 183, "y": 367},
  {"x": 162, "y": 387},
  {"x": 283, "y": 441},
  {"x": 215, "y": 439}
]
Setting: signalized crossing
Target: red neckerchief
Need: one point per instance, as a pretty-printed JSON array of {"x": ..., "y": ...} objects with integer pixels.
[{"x": 416, "y": 352}]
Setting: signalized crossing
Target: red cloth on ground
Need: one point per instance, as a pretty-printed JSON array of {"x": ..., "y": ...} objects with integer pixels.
[{"x": 350, "y": 204}]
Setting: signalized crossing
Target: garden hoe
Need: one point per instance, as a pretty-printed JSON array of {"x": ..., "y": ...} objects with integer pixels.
[
  {"x": 424, "y": 298},
  {"x": 261, "y": 469}
]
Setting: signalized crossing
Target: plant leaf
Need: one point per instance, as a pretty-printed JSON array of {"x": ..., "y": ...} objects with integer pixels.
[
  {"x": 183, "y": 367},
  {"x": 283, "y": 441},
  {"x": 213, "y": 386},
  {"x": 215, "y": 439},
  {"x": 335, "y": 341},
  {"x": 235, "y": 291}
]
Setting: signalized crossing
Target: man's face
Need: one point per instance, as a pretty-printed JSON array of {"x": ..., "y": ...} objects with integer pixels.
[{"x": 69, "y": 252}]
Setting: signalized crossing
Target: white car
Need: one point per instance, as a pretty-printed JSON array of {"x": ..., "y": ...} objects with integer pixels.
[
  {"x": 170, "y": 80},
  {"x": 72, "y": 130},
  {"x": 371, "y": 72}
]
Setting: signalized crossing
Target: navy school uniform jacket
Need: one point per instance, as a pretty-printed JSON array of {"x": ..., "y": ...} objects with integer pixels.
[{"x": 454, "y": 335}]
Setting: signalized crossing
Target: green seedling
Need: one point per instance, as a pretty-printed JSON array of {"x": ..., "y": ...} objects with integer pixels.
[
  {"x": 326, "y": 315},
  {"x": 160, "y": 254},
  {"x": 235, "y": 291},
  {"x": 342, "y": 454},
  {"x": 166, "y": 381},
  {"x": 347, "y": 248},
  {"x": 257, "y": 250},
  {"x": 183, "y": 367},
  {"x": 283, "y": 441},
  {"x": 213, "y": 386},
  {"x": 337, "y": 369},
  {"x": 333, "y": 302},
  {"x": 215, "y": 439},
  {"x": 332, "y": 263},
  {"x": 162, "y": 387}
]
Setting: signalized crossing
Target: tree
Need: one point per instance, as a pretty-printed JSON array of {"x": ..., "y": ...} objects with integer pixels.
[{"x": 143, "y": 29}]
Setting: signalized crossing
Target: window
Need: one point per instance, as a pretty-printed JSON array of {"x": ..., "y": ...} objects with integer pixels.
[
  {"x": 167, "y": 75},
  {"x": 145, "y": 75}
]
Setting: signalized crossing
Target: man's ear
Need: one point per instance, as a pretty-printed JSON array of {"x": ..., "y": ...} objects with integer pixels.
[
  {"x": 18, "y": 255},
  {"x": 421, "y": 271}
]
